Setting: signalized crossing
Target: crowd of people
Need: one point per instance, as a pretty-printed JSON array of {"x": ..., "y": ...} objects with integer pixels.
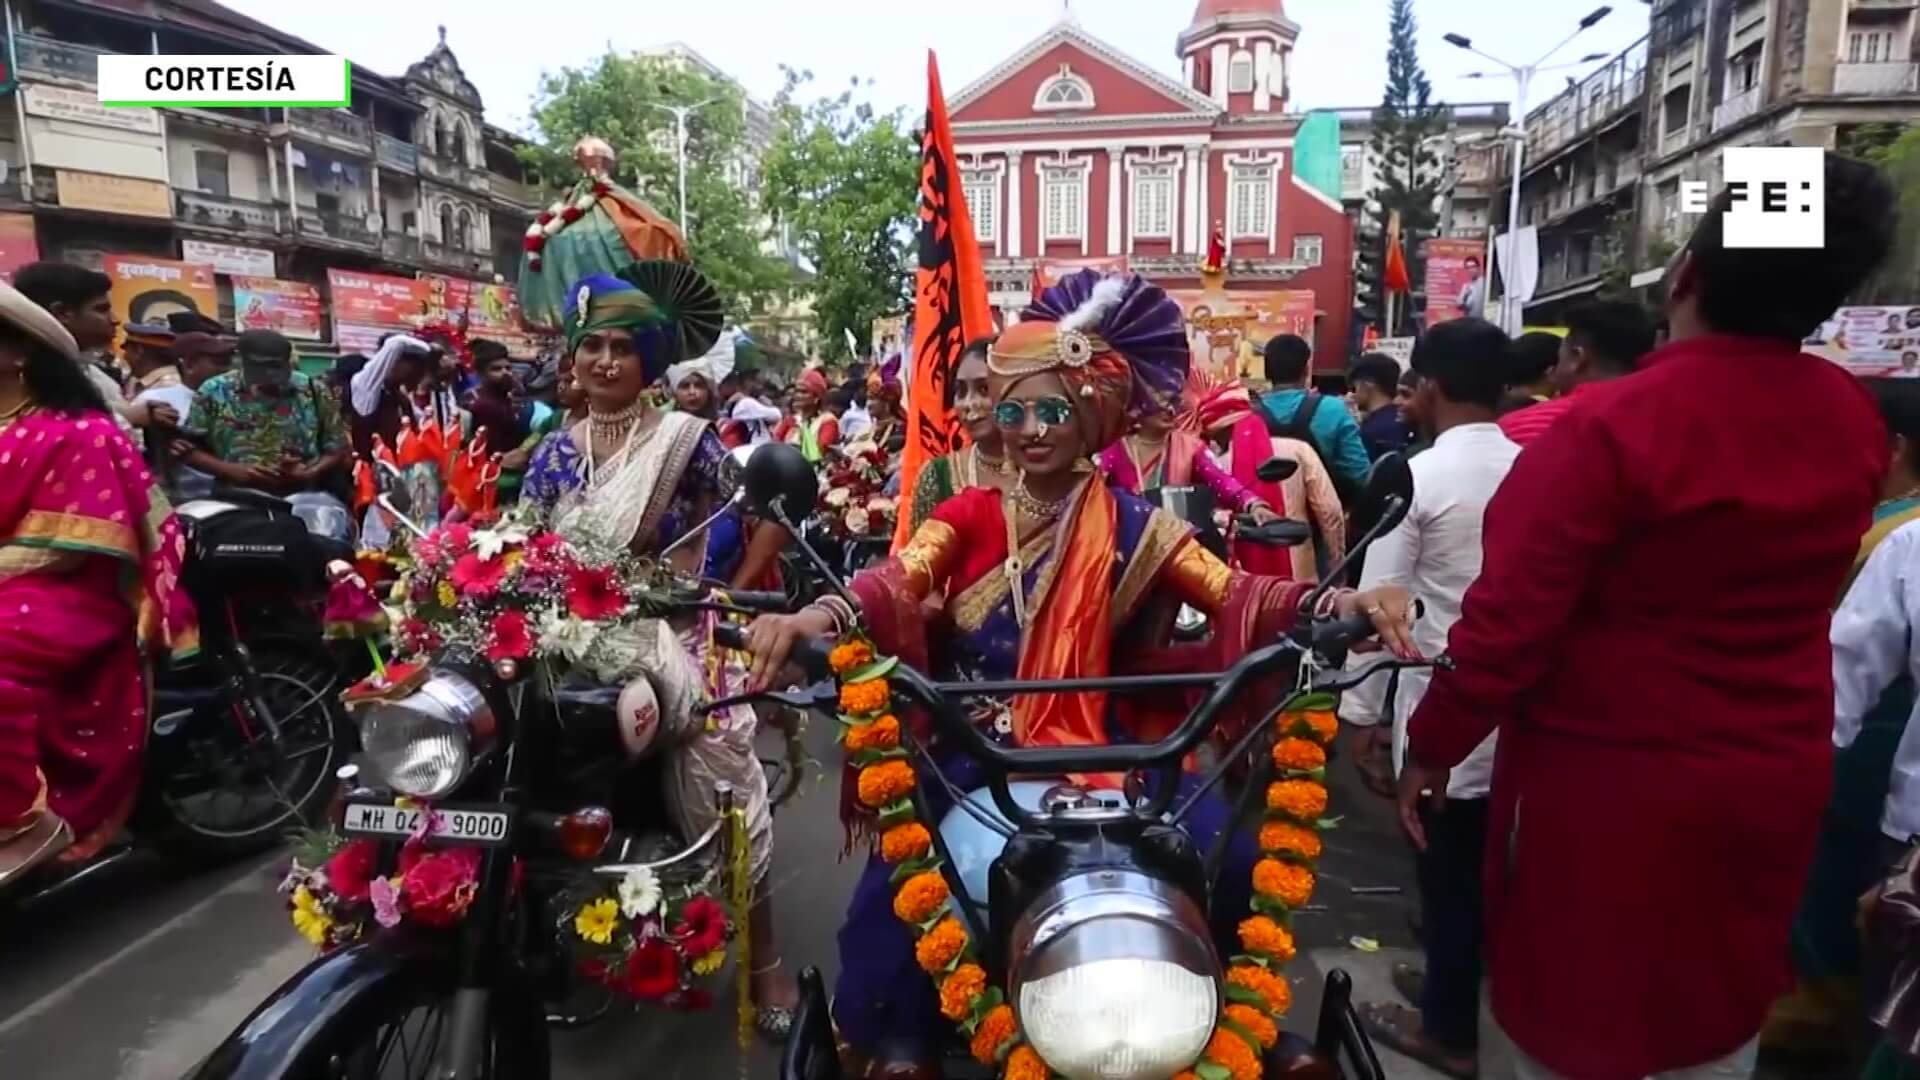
[{"x": 1671, "y": 560}]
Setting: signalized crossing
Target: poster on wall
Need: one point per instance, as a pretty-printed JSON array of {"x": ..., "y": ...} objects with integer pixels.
[
  {"x": 1871, "y": 341},
  {"x": 288, "y": 307},
  {"x": 147, "y": 290},
  {"x": 1052, "y": 270},
  {"x": 228, "y": 258},
  {"x": 368, "y": 306},
  {"x": 1453, "y": 265},
  {"x": 18, "y": 244},
  {"x": 489, "y": 310},
  {"x": 1228, "y": 329}
]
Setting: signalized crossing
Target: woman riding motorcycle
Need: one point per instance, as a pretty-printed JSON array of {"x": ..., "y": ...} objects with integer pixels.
[
  {"x": 1057, "y": 578},
  {"x": 631, "y": 476}
]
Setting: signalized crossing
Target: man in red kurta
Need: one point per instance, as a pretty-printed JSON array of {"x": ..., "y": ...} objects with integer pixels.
[{"x": 1649, "y": 635}]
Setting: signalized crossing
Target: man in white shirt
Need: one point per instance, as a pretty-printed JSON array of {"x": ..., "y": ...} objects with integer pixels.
[
  {"x": 1435, "y": 553},
  {"x": 1874, "y": 644}
]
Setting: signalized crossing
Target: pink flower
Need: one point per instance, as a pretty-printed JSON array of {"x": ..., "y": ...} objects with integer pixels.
[
  {"x": 547, "y": 554},
  {"x": 440, "y": 887},
  {"x": 512, "y": 639},
  {"x": 351, "y": 869},
  {"x": 476, "y": 577},
  {"x": 386, "y": 902},
  {"x": 595, "y": 594}
]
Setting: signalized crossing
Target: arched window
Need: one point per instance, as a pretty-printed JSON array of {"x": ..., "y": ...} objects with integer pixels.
[
  {"x": 1063, "y": 91},
  {"x": 1240, "y": 74},
  {"x": 449, "y": 139},
  {"x": 466, "y": 230},
  {"x": 447, "y": 235}
]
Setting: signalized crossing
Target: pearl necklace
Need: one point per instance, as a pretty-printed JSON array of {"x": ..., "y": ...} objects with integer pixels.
[{"x": 1017, "y": 503}]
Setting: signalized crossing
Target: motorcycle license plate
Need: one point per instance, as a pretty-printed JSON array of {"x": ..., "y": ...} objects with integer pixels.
[{"x": 451, "y": 824}]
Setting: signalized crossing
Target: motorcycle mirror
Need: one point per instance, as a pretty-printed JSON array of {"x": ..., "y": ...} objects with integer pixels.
[
  {"x": 1387, "y": 496},
  {"x": 780, "y": 482},
  {"x": 1274, "y": 470},
  {"x": 733, "y": 469}
]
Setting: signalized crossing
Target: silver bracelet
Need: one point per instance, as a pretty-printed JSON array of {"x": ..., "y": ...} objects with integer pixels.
[{"x": 1329, "y": 601}]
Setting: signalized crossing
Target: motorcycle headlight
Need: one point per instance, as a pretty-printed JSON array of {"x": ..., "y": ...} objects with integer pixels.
[
  {"x": 422, "y": 745},
  {"x": 1115, "y": 977}
]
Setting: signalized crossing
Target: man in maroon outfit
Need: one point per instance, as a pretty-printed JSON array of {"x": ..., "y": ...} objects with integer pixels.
[{"x": 1649, "y": 635}]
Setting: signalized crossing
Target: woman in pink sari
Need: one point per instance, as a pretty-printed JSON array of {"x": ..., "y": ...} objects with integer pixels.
[{"x": 89, "y": 564}]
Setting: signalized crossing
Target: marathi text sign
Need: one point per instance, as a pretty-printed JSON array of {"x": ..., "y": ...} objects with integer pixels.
[
  {"x": 1227, "y": 329},
  {"x": 368, "y": 306},
  {"x": 112, "y": 194},
  {"x": 288, "y": 307},
  {"x": 147, "y": 290},
  {"x": 487, "y": 310},
  {"x": 229, "y": 259},
  {"x": 1871, "y": 341},
  {"x": 1453, "y": 265}
]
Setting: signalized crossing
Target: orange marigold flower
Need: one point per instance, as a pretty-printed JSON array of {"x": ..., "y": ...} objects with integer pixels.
[
  {"x": 1267, "y": 938},
  {"x": 1256, "y": 1023},
  {"x": 1302, "y": 800},
  {"x": 882, "y": 734},
  {"x": 941, "y": 946},
  {"x": 850, "y": 655},
  {"x": 995, "y": 1029},
  {"x": 958, "y": 990},
  {"x": 1322, "y": 724},
  {"x": 919, "y": 897},
  {"x": 903, "y": 842},
  {"x": 1304, "y": 755},
  {"x": 1231, "y": 1052},
  {"x": 862, "y": 698},
  {"x": 885, "y": 782},
  {"x": 1290, "y": 884},
  {"x": 1272, "y": 988},
  {"x": 1286, "y": 838},
  {"x": 1025, "y": 1064}
]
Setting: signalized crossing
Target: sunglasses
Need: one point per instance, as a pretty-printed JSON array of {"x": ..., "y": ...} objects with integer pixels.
[{"x": 1049, "y": 411}]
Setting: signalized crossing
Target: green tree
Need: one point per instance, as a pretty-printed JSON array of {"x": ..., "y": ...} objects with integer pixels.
[
  {"x": 617, "y": 98},
  {"x": 845, "y": 182},
  {"x": 1896, "y": 151},
  {"x": 1406, "y": 171}
]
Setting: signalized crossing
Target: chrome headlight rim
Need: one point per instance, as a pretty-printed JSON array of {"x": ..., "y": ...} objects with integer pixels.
[
  {"x": 450, "y": 704},
  {"x": 1112, "y": 921}
]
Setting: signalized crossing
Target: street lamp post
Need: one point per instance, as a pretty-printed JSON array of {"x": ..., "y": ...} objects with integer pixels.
[
  {"x": 1523, "y": 80},
  {"x": 680, "y": 114}
]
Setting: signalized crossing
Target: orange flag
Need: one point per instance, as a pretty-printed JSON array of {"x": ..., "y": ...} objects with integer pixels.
[
  {"x": 1394, "y": 276},
  {"x": 950, "y": 300}
]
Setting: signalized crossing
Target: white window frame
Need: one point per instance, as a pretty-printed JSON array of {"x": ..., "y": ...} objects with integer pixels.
[
  {"x": 1154, "y": 187},
  {"x": 979, "y": 179},
  {"x": 1250, "y": 173},
  {"x": 1076, "y": 92},
  {"x": 1071, "y": 175},
  {"x": 1240, "y": 64},
  {"x": 1309, "y": 249},
  {"x": 1180, "y": 166}
]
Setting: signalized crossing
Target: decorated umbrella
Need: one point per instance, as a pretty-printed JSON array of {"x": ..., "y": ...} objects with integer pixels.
[{"x": 598, "y": 227}]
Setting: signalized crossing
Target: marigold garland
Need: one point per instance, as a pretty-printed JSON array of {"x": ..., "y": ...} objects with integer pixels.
[
  {"x": 1289, "y": 883},
  {"x": 920, "y": 898},
  {"x": 1289, "y": 841},
  {"x": 1302, "y": 800},
  {"x": 1024, "y": 1064},
  {"x": 941, "y": 946},
  {"x": 995, "y": 1030},
  {"x": 1299, "y": 755},
  {"x": 1263, "y": 1029},
  {"x": 1261, "y": 935},
  {"x": 885, "y": 783},
  {"x": 960, "y": 989},
  {"x": 903, "y": 842}
]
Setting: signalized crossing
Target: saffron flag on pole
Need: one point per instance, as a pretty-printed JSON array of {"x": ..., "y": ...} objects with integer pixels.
[
  {"x": 950, "y": 301},
  {"x": 1395, "y": 276}
]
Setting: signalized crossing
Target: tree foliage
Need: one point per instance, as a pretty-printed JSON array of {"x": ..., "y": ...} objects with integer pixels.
[
  {"x": 1407, "y": 173},
  {"x": 617, "y": 98},
  {"x": 1896, "y": 150},
  {"x": 844, "y": 180}
]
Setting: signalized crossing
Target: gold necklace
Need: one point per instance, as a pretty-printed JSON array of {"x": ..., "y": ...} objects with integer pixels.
[
  {"x": 1035, "y": 509},
  {"x": 609, "y": 426},
  {"x": 17, "y": 409}
]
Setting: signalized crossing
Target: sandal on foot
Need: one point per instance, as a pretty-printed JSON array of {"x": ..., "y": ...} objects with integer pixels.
[
  {"x": 773, "y": 1022},
  {"x": 1398, "y": 1027},
  {"x": 1411, "y": 982}
]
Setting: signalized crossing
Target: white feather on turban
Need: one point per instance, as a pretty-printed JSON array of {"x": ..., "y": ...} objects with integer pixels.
[{"x": 715, "y": 366}]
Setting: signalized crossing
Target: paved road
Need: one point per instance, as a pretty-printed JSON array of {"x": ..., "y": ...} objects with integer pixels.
[{"x": 139, "y": 976}]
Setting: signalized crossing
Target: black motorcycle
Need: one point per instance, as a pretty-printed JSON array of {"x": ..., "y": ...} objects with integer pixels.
[
  {"x": 243, "y": 737},
  {"x": 1050, "y": 877},
  {"x": 535, "y": 769}
]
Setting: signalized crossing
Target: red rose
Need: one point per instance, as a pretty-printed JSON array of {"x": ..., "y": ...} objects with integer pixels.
[
  {"x": 703, "y": 926},
  {"x": 439, "y": 887},
  {"x": 532, "y": 243},
  {"x": 477, "y": 577},
  {"x": 511, "y": 639},
  {"x": 653, "y": 970},
  {"x": 595, "y": 593},
  {"x": 351, "y": 870},
  {"x": 545, "y": 216},
  {"x": 570, "y": 215}
]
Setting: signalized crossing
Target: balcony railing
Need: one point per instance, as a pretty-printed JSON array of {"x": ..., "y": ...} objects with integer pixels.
[
  {"x": 50, "y": 59},
  {"x": 1595, "y": 100},
  {"x": 1675, "y": 140},
  {"x": 395, "y": 154},
  {"x": 1895, "y": 77},
  {"x": 449, "y": 172},
  {"x": 1736, "y": 108},
  {"x": 513, "y": 191},
  {"x": 225, "y": 212},
  {"x": 337, "y": 125},
  {"x": 344, "y": 227},
  {"x": 402, "y": 248}
]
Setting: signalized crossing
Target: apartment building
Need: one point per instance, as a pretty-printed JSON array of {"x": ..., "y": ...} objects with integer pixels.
[
  {"x": 410, "y": 178},
  {"x": 1466, "y": 154}
]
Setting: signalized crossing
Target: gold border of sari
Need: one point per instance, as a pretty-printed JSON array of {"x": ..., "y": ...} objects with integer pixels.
[
  {"x": 53, "y": 530},
  {"x": 1158, "y": 542},
  {"x": 978, "y": 601}
]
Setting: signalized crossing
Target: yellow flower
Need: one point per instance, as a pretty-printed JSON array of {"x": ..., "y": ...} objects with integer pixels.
[
  {"x": 445, "y": 594},
  {"x": 597, "y": 920},
  {"x": 710, "y": 963},
  {"x": 309, "y": 918}
]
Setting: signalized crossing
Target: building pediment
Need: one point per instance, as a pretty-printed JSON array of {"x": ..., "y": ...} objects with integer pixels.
[
  {"x": 441, "y": 72},
  {"x": 1068, "y": 73}
]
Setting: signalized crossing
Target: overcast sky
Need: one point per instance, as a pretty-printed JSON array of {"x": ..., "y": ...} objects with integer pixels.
[{"x": 1340, "y": 60}]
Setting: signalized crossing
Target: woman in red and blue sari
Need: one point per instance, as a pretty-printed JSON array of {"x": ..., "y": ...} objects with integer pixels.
[
  {"x": 1099, "y": 575},
  {"x": 89, "y": 567}
]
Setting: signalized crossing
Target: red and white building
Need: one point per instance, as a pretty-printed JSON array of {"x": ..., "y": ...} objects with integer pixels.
[{"x": 1072, "y": 152}]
